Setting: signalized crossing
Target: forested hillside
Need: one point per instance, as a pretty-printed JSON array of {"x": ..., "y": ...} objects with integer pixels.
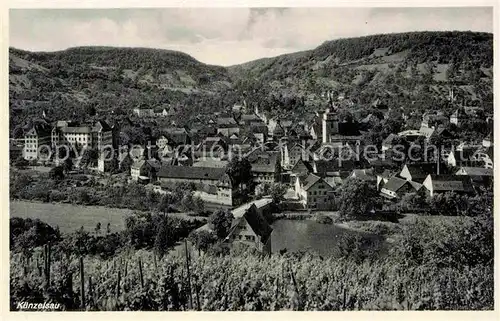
[
  {"x": 404, "y": 69},
  {"x": 414, "y": 71}
]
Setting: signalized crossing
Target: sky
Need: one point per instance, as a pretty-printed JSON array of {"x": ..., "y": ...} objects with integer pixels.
[{"x": 228, "y": 36}]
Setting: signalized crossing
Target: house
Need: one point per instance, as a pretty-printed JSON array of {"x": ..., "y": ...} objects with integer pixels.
[
  {"x": 250, "y": 227},
  {"x": 162, "y": 141},
  {"x": 220, "y": 193},
  {"x": 160, "y": 112},
  {"x": 275, "y": 130},
  {"x": 251, "y": 120},
  {"x": 291, "y": 153},
  {"x": 418, "y": 172},
  {"x": 185, "y": 174},
  {"x": 459, "y": 117},
  {"x": 488, "y": 140},
  {"x": 228, "y": 129},
  {"x": 212, "y": 148},
  {"x": 302, "y": 167},
  {"x": 484, "y": 155},
  {"x": 397, "y": 187},
  {"x": 210, "y": 162},
  {"x": 106, "y": 161},
  {"x": 145, "y": 169},
  {"x": 314, "y": 192},
  {"x": 177, "y": 136},
  {"x": 463, "y": 157},
  {"x": 383, "y": 178},
  {"x": 34, "y": 139},
  {"x": 390, "y": 142},
  {"x": 436, "y": 184},
  {"x": 144, "y": 111},
  {"x": 97, "y": 136},
  {"x": 266, "y": 167},
  {"x": 479, "y": 175},
  {"x": 366, "y": 174},
  {"x": 412, "y": 135}
]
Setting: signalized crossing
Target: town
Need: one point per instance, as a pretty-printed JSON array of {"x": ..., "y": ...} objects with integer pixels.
[
  {"x": 309, "y": 161},
  {"x": 354, "y": 175}
]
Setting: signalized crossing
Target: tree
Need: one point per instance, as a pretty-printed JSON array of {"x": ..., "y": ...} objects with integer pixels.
[
  {"x": 163, "y": 238},
  {"x": 90, "y": 110},
  {"x": 203, "y": 239},
  {"x": 97, "y": 228},
  {"x": 89, "y": 157},
  {"x": 56, "y": 173},
  {"x": 220, "y": 222},
  {"x": 277, "y": 192},
  {"x": 240, "y": 172},
  {"x": 357, "y": 198}
]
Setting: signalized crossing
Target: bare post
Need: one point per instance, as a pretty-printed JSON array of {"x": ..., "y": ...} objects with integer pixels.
[
  {"x": 141, "y": 277},
  {"x": 82, "y": 283},
  {"x": 188, "y": 275},
  {"x": 118, "y": 284}
]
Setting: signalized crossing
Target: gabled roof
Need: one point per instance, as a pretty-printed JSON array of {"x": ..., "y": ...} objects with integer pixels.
[
  {"x": 309, "y": 181},
  {"x": 389, "y": 140},
  {"x": 451, "y": 183},
  {"x": 387, "y": 174},
  {"x": 302, "y": 164},
  {"x": 395, "y": 183},
  {"x": 421, "y": 169},
  {"x": 364, "y": 174},
  {"x": 265, "y": 163},
  {"x": 187, "y": 172},
  {"x": 476, "y": 171},
  {"x": 257, "y": 223}
]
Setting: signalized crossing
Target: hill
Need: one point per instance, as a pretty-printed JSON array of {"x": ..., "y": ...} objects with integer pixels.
[
  {"x": 410, "y": 70},
  {"x": 409, "y": 66}
]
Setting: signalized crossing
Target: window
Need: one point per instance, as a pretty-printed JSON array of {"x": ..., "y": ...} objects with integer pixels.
[{"x": 249, "y": 237}]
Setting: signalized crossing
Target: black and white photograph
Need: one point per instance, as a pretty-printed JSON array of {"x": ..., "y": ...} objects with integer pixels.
[{"x": 250, "y": 159}]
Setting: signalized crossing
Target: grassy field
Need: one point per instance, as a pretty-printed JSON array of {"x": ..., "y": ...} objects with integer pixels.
[{"x": 70, "y": 217}]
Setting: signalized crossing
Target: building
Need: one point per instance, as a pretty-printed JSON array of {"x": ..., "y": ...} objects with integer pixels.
[
  {"x": 484, "y": 155},
  {"x": 365, "y": 174},
  {"x": 291, "y": 153},
  {"x": 389, "y": 142},
  {"x": 488, "y": 140},
  {"x": 479, "y": 175},
  {"x": 463, "y": 157},
  {"x": 162, "y": 141},
  {"x": 275, "y": 130},
  {"x": 436, "y": 184},
  {"x": 145, "y": 169},
  {"x": 220, "y": 193},
  {"x": 107, "y": 161},
  {"x": 266, "y": 168},
  {"x": 160, "y": 112},
  {"x": 95, "y": 136},
  {"x": 144, "y": 111},
  {"x": 418, "y": 172},
  {"x": 458, "y": 117},
  {"x": 384, "y": 177},
  {"x": 314, "y": 192},
  {"x": 329, "y": 125},
  {"x": 186, "y": 174},
  {"x": 396, "y": 187},
  {"x": 250, "y": 227},
  {"x": 36, "y": 137}
]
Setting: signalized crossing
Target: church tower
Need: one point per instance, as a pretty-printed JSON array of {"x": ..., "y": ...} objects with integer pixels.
[{"x": 330, "y": 125}]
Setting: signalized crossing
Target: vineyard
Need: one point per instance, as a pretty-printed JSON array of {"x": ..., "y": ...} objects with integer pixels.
[{"x": 139, "y": 280}]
